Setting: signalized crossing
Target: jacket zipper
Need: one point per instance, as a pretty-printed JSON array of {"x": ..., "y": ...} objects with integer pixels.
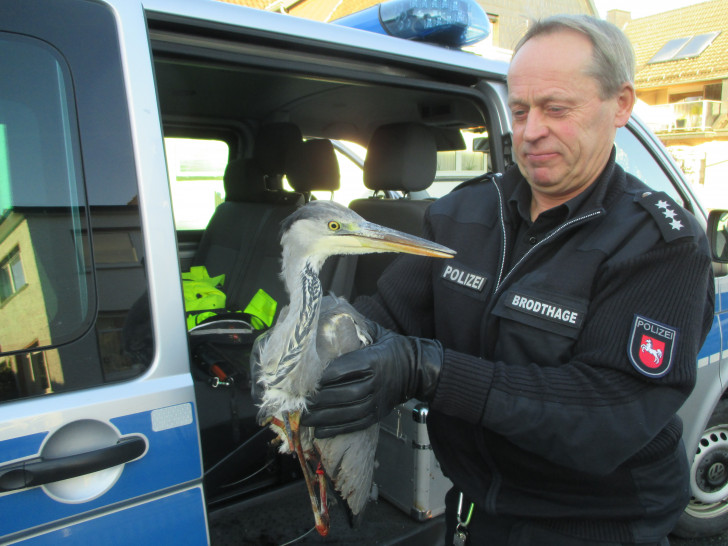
[
  {"x": 574, "y": 221},
  {"x": 492, "y": 494}
]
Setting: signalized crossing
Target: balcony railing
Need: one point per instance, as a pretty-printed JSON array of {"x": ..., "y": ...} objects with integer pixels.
[{"x": 695, "y": 116}]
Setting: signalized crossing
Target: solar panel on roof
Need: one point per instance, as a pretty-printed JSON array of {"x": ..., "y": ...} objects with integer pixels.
[
  {"x": 697, "y": 45},
  {"x": 684, "y": 48},
  {"x": 668, "y": 51}
]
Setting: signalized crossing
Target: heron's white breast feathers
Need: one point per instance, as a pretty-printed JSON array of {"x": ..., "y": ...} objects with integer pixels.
[
  {"x": 277, "y": 400},
  {"x": 289, "y": 372}
]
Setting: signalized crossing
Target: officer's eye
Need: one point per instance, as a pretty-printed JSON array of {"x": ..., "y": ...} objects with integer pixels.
[{"x": 334, "y": 225}]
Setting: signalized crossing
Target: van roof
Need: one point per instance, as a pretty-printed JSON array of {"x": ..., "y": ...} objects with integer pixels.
[{"x": 267, "y": 24}]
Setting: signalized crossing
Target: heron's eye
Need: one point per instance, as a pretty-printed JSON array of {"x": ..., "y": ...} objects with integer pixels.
[{"x": 334, "y": 225}]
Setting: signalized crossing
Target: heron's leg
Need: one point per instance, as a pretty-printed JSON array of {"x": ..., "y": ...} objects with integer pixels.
[
  {"x": 320, "y": 508},
  {"x": 321, "y": 478}
]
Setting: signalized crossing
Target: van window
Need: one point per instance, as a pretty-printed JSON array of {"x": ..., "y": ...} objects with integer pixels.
[
  {"x": 196, "y": 168},
  {"x": 44, "y": 216},
  {"x": 634, "y": 158},
  {"x": 73, "y": 306},
  {"x": 454, "y": 167},
  {"x": 352, "y": 175}
]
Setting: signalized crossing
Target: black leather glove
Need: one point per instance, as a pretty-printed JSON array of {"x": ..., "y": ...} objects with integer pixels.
[{"x": 360, "y": 388}]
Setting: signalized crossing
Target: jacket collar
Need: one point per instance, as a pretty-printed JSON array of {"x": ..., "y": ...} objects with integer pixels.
[{"x": 597, "y": 196}]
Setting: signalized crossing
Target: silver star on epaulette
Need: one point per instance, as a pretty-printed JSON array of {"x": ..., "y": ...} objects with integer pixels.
[
  {"x": 669, "y": 213},
  {"x": 661, "y": 204},
  {"x": 676, "y": 224}
]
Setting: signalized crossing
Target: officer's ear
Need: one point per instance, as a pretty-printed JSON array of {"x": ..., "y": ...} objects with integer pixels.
[{"x": 625, "y": 99}]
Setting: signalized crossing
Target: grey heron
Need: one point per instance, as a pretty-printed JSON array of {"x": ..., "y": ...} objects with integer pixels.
[{"x": 310, "y": 332}]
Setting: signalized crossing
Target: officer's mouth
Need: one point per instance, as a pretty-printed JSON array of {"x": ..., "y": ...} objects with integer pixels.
[{"x": 541, "y": 157}]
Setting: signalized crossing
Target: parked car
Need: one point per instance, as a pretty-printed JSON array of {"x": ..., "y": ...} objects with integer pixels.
[{"x": 139, "y": 138}]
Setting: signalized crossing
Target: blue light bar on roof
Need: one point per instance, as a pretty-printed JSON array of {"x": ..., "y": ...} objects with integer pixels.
[{"x": 452, "y": 23}]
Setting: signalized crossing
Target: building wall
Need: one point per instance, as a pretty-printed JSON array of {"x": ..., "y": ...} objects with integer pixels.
[
  {"x": 514, "y": 16},
  {"x": 24, "y": 321},
  {"x": 684, "y": 90}
]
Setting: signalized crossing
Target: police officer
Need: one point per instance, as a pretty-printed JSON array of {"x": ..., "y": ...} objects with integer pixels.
[{"x": 557, "y": 346}]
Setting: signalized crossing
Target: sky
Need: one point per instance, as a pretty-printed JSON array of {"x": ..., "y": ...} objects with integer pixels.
[{"x": 641, "y": 8}]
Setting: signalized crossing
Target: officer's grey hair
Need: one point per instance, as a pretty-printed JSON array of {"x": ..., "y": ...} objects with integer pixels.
[{"x": 613, "y": 57}]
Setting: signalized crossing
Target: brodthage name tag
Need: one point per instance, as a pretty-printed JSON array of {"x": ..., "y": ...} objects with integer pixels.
[{"x": 538, "y": 307}]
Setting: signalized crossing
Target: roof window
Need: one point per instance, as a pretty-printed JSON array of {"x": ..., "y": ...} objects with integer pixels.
[{"x": 684, "y": 48}]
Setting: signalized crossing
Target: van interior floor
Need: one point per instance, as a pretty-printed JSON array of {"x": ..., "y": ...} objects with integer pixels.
[{"x": 285, "y": 514}]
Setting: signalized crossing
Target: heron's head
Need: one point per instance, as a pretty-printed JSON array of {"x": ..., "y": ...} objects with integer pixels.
[{"x": 324, "y": 228}]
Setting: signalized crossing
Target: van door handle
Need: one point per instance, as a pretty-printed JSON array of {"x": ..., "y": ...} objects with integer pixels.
[{"x": 40, "y": 471}]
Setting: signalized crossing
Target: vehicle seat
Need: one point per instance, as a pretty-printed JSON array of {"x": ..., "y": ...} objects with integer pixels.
[
  {"x": 312, "y": 166},
  {"x": 242, "y": 239},
  {"x": 400, "y": 157},
  {"x": 273, "y": 143}
]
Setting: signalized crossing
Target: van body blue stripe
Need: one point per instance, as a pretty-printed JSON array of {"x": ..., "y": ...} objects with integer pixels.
[
  {"x": 172, "y": 458},
  {"x": 21, "y": 447},
  {"x": 176, "y": 519},
  {"x": 712, "y": 341}
]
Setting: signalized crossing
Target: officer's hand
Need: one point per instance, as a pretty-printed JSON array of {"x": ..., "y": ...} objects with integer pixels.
[{"x": 360, "y": 388}]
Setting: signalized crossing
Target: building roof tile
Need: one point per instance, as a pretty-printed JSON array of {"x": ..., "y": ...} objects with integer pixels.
[
  {"x": 649, "y": 34},
  {"x": 258, "y": 4}
]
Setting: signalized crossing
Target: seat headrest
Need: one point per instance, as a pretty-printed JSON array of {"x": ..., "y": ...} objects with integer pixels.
[
  {"x": 312, "y": 166},
  {"x": 243, "y": 181},
  {"x": 272, "y": 144},
  {"x": 401, "y": 157}
]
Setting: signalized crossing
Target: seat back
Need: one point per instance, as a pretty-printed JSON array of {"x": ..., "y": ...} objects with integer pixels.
[
  {"x": 242, "y": 239},
  {"x": 273, "y": 142},
  {"x": 400, "y": 157},
  {"x": 312, "y": 166}
]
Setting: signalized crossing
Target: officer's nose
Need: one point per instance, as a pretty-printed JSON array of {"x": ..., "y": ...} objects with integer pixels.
[{"x": 534, "y": 126}]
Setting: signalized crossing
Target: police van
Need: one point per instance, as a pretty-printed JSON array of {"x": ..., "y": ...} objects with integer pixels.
[{"x": 144, "y": 140}]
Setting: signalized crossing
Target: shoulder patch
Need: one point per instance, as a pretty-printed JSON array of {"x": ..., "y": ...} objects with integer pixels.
[
  {"x": 651, "y": 346},
  {"x": 670, "y": 217}
]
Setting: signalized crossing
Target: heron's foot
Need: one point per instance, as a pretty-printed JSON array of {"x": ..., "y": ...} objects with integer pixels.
[
  {"x": 319, "y": 503},
  {"x": 278, "y": 426}
]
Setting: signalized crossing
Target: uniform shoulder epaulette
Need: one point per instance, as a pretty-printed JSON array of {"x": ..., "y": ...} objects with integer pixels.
[{"x": 670, "y": 217}]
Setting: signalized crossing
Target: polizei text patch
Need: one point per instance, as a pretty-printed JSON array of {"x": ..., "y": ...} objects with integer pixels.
[{"x": 465, "y": 278}]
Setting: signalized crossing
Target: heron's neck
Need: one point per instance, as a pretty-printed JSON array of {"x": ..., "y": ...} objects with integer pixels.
[
  {"x": 302, "y": 317},
  {"x": 308, "y": 301}
]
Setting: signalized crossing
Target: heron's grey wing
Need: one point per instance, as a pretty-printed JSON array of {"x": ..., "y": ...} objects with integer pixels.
[
  {"x": 349, "y": 462},
  {"x": 348, "y": 459},
  {"x": 341, "y": 329}
]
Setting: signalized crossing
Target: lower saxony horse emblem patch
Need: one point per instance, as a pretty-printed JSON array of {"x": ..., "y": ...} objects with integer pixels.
[{"x": 651, "y": 346}]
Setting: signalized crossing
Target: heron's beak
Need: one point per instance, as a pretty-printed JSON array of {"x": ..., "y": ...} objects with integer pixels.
[{"x": 376, "y": 238}]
